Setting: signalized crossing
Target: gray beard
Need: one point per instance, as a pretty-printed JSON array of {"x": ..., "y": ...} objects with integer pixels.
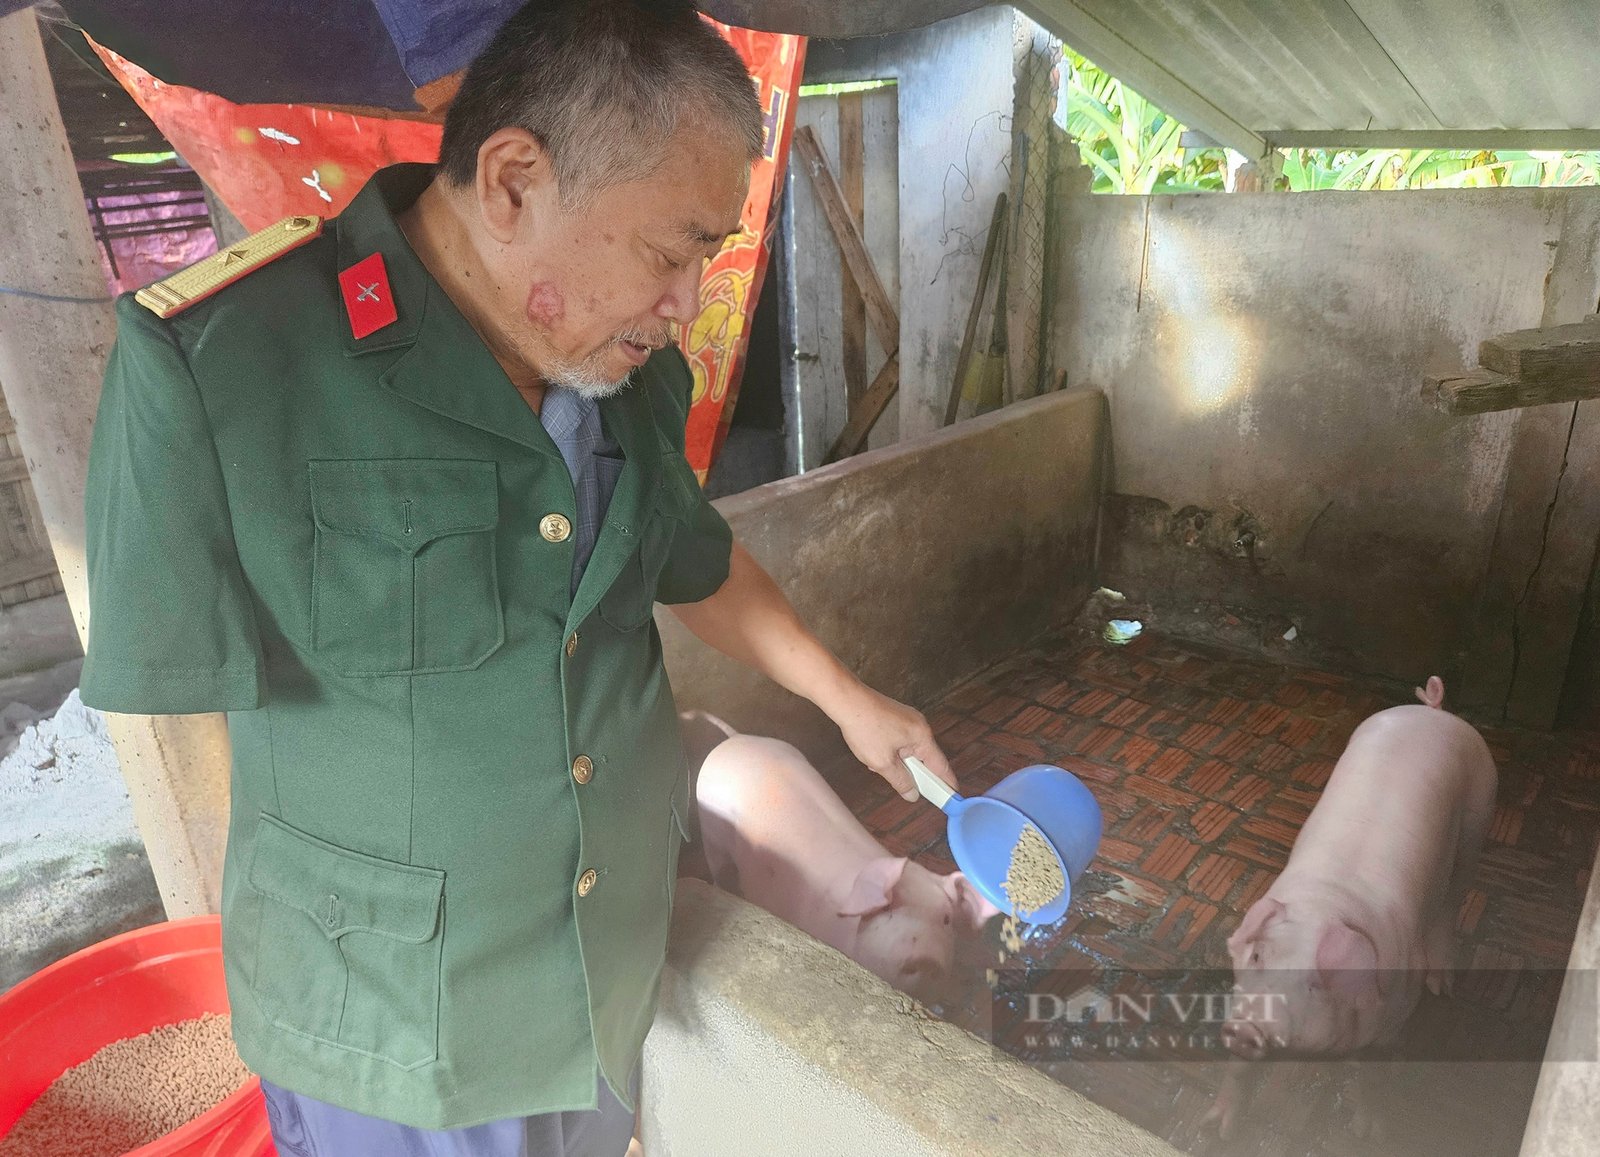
[
  {"x": 587, "y": 381},
  {"x": 588, "y": 378}
]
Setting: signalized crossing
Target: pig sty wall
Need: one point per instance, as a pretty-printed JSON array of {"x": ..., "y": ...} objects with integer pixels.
[{"x": 1276, "y": 465}]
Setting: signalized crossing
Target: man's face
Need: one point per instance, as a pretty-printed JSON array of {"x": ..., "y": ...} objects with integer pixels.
[{"x": 583, "y": 297}]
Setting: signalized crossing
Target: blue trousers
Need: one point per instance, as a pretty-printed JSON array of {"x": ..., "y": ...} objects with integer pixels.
[{"x": 304, "y": 1127}]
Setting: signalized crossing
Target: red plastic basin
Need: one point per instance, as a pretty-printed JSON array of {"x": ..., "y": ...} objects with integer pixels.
[{"x": 64, "y": 1014}]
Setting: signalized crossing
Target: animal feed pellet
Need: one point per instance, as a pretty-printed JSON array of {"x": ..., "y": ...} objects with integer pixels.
[
  {"x": 1034, "y": 877},
  {"x": 1033, "y": 880},
  {"x": 132, "y": 1092}
]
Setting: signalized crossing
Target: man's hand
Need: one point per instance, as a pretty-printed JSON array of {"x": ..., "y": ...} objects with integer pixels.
[
  {"x": 882, "y": 732},
  {"x": 750, "y": 620}
]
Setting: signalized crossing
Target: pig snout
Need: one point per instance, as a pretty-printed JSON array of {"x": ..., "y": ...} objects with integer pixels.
[{"x": 1244, "y": 1039}]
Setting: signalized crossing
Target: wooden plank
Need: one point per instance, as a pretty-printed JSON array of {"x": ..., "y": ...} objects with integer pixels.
[
  {"x": 821, "y": 408},
  {"x": 1483, "y": 391},
  {"x": 1556, "y": 140},
  {"x": 25, "y": 568},
  {"x": 880, "y": 138},
  {"x": 872, "y": 404},
  {"x": 853, "y": 313},
  {"x": 880, "y": 313},
  {"x": 1557, "y": 356},
  {"x": 969, "y": 338},
  {"x": 13, "y": 470},
  {"x": 22, "y": 533}
]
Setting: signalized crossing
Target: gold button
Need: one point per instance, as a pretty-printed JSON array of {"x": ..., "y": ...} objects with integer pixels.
[
  {"x": 586, "y": 882},
  {"x": 572, "y": 645},
  {"x": 555, "y": 527},
  {"x": 583, "y": 769}
]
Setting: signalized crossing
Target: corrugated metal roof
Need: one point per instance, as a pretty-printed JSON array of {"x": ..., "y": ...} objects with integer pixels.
[{"x": 1256, "y": 73}]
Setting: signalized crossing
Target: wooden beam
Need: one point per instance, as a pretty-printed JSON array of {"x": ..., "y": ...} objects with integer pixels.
[
  {"x": 1483, "y": 391},
  {"x": 881, "y": 313},
  {"x": 997, "y": 225},
  {"x": 853, "y": 316},
  {"x": 867, "y": 411},
  {"x": 1559, "y": 357},
  {"x": 1556, "y": 140}
]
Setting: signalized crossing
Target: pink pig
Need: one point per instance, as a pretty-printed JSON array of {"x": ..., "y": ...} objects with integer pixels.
[
  {"x": 776, "y": 834},
  {"x": 1364, "y": 912}
]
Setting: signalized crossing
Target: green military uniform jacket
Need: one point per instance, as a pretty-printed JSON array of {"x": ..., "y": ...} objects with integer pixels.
[{"x": 347, "y": 545}]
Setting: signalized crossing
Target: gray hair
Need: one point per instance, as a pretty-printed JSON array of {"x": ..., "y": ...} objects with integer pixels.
[{"x": 602, "y": 85}]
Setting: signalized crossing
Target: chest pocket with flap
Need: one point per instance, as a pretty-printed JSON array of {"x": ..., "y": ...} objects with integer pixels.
[
  {"x": 628, "y": 603},
  {"x": 403, "y": 577}
]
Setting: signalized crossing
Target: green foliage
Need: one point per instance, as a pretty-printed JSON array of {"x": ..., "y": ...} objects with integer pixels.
[
  {"x": 1131, "y": 144},
  {"x": 1134, "y": 147},
  {"x": 1435, "y": 168}
]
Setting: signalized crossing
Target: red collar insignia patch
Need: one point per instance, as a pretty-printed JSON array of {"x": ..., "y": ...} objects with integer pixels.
[{"x": 367, "y": 300}]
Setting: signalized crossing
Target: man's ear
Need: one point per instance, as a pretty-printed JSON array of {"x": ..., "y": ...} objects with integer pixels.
[
  {"x": 873, "y": 889},
  {"x": 514, "y": 172}
]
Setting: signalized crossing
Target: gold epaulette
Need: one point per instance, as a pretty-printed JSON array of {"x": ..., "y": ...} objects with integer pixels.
[{"x": 177, "y": 293}]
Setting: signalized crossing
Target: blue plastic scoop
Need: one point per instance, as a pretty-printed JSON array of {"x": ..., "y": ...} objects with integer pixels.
[{"x": 983, "y": 830}]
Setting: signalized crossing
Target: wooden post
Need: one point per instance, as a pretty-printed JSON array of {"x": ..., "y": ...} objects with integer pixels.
[
  {"x": 1260, "y": 175},
  {"x": 56, "y": 329},
  {"x": 853, "y": 316},
  {"x": 866, "y": 412}
]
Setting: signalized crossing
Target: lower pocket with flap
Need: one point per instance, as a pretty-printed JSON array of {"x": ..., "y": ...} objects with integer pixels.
[{"x": 349, "y": 947}]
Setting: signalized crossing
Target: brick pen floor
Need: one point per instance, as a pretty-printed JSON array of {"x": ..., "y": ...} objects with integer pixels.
[{"x": 1205, "y": 765}]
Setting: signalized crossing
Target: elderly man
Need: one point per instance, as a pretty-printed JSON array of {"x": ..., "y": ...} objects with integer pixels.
[{"x": 399, "y": 497}]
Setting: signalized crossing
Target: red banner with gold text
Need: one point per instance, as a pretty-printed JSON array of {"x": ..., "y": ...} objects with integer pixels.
[{"x": 266, "y": 162}]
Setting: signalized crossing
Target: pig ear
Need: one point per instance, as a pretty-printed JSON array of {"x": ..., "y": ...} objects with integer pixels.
[
  {"x": 1347, "y": 963},
  {"x": 874, "y": 887},
  {"x": 974, "y": 905},
  {"x": 1263, "y": 912}
]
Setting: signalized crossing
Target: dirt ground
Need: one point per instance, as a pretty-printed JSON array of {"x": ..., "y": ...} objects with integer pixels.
[{"x": 73, "y": 870}]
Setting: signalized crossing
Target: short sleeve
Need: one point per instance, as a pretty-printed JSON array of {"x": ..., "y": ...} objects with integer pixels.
[
  {"x": 172, "y": 629},
  {"x": 701, "y": 549}
]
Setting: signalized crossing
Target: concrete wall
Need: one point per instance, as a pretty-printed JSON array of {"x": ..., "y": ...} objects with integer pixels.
[
  {"x": 1273, "y": 457},
  {"x": 918, "y": 564},
  {"x": 770, "y": 1042}
]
